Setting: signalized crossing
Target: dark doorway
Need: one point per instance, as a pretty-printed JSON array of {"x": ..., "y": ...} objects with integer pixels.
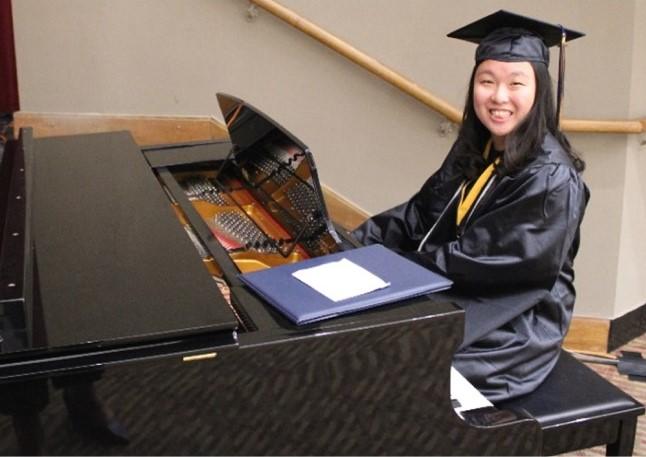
[{"x": 8, "y": 77}]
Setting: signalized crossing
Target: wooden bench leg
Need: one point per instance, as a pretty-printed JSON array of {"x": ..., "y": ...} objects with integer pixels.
[{"x": 625, "y": 438}]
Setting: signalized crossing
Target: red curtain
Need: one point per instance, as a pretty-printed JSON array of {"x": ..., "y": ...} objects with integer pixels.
[{"x": 8, "y": 78}]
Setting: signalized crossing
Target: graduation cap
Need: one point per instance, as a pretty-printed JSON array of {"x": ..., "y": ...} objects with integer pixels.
[{"x": 510, "y": 37}]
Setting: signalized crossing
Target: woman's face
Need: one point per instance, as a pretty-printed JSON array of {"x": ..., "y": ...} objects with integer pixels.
[{"x": 503, "y": 94}]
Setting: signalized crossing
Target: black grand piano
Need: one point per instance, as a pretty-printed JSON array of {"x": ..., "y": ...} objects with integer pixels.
[{"x": 120, "y": 306}]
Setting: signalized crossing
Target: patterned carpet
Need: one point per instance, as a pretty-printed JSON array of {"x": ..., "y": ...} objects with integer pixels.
[{"x": 637, "y": 389}]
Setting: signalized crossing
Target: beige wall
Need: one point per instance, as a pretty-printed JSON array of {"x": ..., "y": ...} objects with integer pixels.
[
  {"x": 631, "y": 274},
  {"x": 373, "y": 145}
]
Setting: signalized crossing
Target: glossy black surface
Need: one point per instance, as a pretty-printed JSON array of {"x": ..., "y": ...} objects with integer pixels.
[
  {"x": 573, "y": 392},
  {"x": 16, "y": 255},
  {"x": 113, "y": 265},
  {"x": 186, "y": 153},
  {"x": 365, "y": 389}
]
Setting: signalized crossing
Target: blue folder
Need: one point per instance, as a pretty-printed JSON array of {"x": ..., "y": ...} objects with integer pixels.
[{"x": 302, "y": 304}]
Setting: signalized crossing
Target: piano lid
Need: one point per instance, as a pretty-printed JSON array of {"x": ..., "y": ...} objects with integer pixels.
[
  {"x": 111, "y": 261},
  {"x": 266, "y": 155}
]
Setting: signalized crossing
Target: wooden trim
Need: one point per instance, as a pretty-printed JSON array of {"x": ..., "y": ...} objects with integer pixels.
[
  {"x": 146, "y": 130},
  {"x": 588, "y": 335},
  {"x": 608, "y": 126},
  {"x": 409, "y": 87},
  {"x": 342, "y": 211}
]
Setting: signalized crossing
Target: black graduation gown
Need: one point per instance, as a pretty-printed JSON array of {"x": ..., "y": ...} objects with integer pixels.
[{"x": 511, "y": 262}]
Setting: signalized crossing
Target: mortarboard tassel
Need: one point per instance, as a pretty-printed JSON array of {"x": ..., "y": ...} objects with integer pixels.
[{"x": 561, "y": 80}]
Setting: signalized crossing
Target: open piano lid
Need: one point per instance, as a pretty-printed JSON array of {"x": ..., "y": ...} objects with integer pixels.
[
  {"x": 112, "y": 265},
  {"x": 266, "y": 153}
]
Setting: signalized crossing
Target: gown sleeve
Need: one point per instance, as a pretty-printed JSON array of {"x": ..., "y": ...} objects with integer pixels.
[
  {"x": 519, "y": 237},
  {"x": 396, "y": 228}
]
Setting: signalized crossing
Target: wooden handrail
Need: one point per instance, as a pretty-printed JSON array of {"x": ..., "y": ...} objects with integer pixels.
[
  {"x": 608, "y": 126},
  {"x": 406, "y": 85},
  {"x": 361, "y": 59}
]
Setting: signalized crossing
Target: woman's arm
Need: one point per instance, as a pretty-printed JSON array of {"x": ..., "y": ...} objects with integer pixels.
[{"x": 520, "y": 237}]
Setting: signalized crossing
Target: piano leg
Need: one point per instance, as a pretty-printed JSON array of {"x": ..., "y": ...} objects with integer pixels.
[
  {"x": 28, "y": 404},
  {"x": 91, "y": 417},
  {"x": 625, "y": 438},
  {"x": 24, "y": 402},
  {"x": 29, "y": 433}
]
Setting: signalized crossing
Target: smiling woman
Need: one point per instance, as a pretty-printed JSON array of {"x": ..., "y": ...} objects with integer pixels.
[
  {"x": 501, "y": 216},
  {"x": 503, "y": 95}
]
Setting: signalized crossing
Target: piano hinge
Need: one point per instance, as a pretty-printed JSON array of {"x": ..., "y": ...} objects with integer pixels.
[{"x": 196, "y": 357}]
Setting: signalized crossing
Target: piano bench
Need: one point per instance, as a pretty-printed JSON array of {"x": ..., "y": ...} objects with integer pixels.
[{"x": 578, "y": 409}]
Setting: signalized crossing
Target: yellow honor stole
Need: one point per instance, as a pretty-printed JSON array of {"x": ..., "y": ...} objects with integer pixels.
[{"x": 468, "y": 199}]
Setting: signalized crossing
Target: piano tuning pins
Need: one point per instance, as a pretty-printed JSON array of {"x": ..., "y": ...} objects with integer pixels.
[
  {"x": 303, "y": 199},
  {"x": 273, "y": 169},
  {"x": 236, "y": 225},
  {"x": 203, "y": 189}
]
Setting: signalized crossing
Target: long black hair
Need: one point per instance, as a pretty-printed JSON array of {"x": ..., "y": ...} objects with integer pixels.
[{"x": 523, "y": 143}]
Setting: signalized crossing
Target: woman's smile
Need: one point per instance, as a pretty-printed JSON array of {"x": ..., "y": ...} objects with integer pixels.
[{"x": 503, "y": 94}]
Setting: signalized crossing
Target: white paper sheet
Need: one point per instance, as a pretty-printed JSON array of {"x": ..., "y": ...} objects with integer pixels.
[
  {"x": 465, "y": 393},
  {"x": 340, "y": 280}
]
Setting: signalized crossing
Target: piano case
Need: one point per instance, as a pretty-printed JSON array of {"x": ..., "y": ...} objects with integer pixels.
[{"x": 120, "y": 279}]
